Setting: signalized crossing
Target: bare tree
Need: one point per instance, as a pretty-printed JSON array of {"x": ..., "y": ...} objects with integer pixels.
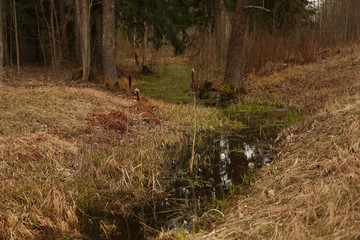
[
  {"x": 220, "y": 32},
  {"x": 40, "y": 35},
  {"x": 16, "y": 37},
  {"x": 108, "y": 41},
  {"x": 83, "y": 10},
  {"x": 233, "y": 75},
  {"x": 77, "y": 33},
  {"x": 54, "y": 36},
  {"x": 63, "y": 23}
]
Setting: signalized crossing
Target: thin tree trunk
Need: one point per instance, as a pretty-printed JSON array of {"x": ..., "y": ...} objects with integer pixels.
[
  {"x": 53, "y": 38},
  {"x": 10, "y": 43},
  {"x": 108, "y": 41},
  {"x": 1, "y": 44},
  {"x": 219, "y": 32},
  {"x": 233, "y": 75},
  {"x": 58, "y": 42},
  {"x": 40, "y": 36},
  {"x": 321, "y": 12},
  {"x": 4, "y": 32},
  {"x": 77, "y": 32},
  {"x": 63, "y": 23},
  {"x": 144, "y": 45},
  {"x": 16, "y": 39},
  {"x": 84, "y": 12}
]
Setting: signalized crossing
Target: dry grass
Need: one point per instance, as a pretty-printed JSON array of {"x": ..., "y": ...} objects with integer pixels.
[
  {"x": 71, "y": 152},
  {"x": 312, "y": 190},
  {"x": 66, "y": 158},
  {"x": 308, "y": 87}
]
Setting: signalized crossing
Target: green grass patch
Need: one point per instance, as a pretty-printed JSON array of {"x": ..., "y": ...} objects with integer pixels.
[{"x": 173, "y": 86}]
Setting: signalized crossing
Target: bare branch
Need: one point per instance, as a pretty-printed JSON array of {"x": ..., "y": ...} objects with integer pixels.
[{"x": 258, "y": 7}]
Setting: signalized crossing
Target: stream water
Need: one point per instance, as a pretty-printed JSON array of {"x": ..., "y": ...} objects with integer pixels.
[{"x": 226, "y": 163}]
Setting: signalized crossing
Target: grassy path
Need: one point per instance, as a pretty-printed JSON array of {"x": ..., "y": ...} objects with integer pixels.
[{"x": 172, "y": 87}]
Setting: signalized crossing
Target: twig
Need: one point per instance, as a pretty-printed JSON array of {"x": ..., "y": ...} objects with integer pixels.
[
  {"x": 194, "y": 139},
  {"x": 213, "y": 210},
  {"x": 213, "y": 232},
  {"x": 258, "y": 7}
]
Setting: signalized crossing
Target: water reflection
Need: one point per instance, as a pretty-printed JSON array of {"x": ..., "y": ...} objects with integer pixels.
[{"x": 222, "y": 163}]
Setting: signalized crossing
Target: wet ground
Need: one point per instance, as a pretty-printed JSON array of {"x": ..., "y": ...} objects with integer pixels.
[{"x": 226, "y": 163}]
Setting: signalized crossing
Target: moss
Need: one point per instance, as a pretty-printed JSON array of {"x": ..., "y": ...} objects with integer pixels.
[
  {"x": 205, "y": 90},
  {"x": 117, "y": 86},
  {"x": 227, "y": 89}
]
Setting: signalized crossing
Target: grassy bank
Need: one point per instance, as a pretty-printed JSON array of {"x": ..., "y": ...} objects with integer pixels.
[
  {"x": 312, "y": 190},
  {"x": 72, "y": 155}
]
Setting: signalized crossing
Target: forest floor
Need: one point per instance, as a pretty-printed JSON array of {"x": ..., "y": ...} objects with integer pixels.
[{"x": 72, "y": 153}]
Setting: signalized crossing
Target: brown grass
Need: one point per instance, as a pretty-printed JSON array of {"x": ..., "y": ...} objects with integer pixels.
[
  {"x": 312, "y": 190},
  {"x": 71, "y": 151},
  {"x": 59, "y": 169},
  {"x": 308, "y": 87}
]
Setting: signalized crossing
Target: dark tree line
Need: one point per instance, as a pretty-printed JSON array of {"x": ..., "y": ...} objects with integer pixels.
[{"x": 82, "y": 32}]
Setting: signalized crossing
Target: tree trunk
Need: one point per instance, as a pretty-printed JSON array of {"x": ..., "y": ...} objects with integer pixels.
[
  {"x": 233, "y": 75},
  {"x": 219, "y": 32},
  {"x": 77, "y": 33},
  {"x": 144, "y": 45},
  {"x": 52, "y": 34},
  {"x": 1, "y": 44},
  {"x": 4, "y": 33},
  {"x": 63, "y": 23},
  {"x": 108, "y": 41},
  {"x": 40, "y": 36},
  {"x": 16, "y": 39},
  {"x": 84, "y": 29}
]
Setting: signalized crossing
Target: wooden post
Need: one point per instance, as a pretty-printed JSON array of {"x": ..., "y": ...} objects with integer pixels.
[
  {"x": 129, "y": 81},
  {"x": 192, "y": 79},
  {"x": 137, "y": 94}
]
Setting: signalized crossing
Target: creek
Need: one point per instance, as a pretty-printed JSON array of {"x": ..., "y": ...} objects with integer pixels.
[{"x": 226, "y": 163}]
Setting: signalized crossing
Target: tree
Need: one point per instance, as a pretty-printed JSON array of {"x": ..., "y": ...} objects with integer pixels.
[
  {"x": 1, "y": 43},
  {"x": 233, "y": 75},
  {"x": 219, "y": 32},
  {"x": 63, "y": 22},
  {"x": 108, "y": 41},
  {"x": 16, "y": 37},
  {"x": 83, "y": 14},
  {"x": 165, "y": 22}
]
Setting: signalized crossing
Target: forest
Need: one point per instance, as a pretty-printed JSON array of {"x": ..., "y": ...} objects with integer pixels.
[{"x": 182, "y": 119}]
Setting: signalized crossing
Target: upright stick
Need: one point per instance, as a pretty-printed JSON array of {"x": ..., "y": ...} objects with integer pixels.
[{"x": 194, "y": 139}]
